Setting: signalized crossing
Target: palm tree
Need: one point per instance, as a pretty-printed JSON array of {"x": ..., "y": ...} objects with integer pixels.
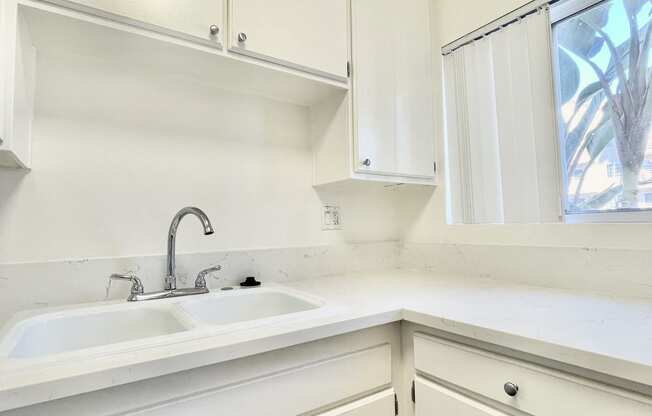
[{"x": 616, "y": 106}]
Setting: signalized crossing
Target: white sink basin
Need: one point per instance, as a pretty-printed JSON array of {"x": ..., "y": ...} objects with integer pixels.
[
  {"x": 246, "y": 305},
  {"x": 86, "y": 328},
  {"x": 103, "y": 329}
]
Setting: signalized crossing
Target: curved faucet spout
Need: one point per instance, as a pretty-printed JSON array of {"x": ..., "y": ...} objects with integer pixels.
[{"x": 171, "y": 278}]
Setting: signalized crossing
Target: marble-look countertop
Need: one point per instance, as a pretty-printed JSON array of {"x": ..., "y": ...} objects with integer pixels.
[{"x": 608, "y": 335}]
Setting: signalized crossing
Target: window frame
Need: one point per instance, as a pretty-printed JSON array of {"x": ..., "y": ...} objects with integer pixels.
[
  {"x": 560, "y": 11},
  {"x": 566, "y": 8}
]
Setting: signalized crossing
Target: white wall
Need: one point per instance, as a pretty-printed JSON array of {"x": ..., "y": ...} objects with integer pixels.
[
  {"x": 456, "y": 18},
  {"x": 452, "y": 19},
  {"x": 118, "y": 150}
]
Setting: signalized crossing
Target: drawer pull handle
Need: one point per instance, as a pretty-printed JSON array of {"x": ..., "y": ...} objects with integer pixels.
[{"x": 511, "y": 389}]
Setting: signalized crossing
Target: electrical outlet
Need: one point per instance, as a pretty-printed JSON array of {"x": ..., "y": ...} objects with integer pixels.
[{"x": 331, "y": 218}]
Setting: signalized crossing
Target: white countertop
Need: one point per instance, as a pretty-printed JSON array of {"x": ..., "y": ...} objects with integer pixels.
[{"x": 604, "y": 334}]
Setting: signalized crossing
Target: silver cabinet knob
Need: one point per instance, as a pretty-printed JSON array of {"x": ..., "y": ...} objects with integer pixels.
[
  {"x": 511, "y": 389},
  {"x": 214, "y": 29},
  {"x": 242, "y": 37},
  {"x": 366, "y": 163}
]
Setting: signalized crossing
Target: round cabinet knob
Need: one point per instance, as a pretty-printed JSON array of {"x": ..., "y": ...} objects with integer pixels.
[
  {"x": 214, "y": 29},
  {"x": 511, "y": 389},
  {"x": 366, "y": 163},
  {"x": 242, "y": 37}
]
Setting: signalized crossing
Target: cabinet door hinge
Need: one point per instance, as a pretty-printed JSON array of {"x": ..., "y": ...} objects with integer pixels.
[
  {"x": 395, "y": 405},
  {"x": 348, "y": 69},
  {"x": 413, "y": 393}
]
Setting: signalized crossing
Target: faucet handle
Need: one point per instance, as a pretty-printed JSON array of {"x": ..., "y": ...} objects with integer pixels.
[
  {"x": 200, "y": 282},
  {"x": 137, "y": 287}
]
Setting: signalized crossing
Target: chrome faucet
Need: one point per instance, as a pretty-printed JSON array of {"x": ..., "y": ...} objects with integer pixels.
[
  {"x": 137, "y": 288},
  {"x": 200, "y": 281},
  {"x": 171, "y": 278},
  {"x": 171, "y": 291}
]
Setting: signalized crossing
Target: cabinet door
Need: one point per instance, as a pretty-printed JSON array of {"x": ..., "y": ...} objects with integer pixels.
[
  {"x": 392, "y": 87},
  {"x": 435, "y": 400},
  {"x": 17, "y": 83},
  {"x": 380, "y": 404},
  {"x": 311, "y": 35},
  {"x": 187, "y": 17},
  {"x": 291, "y": 392},
  {"x": 4, "y": 60}
]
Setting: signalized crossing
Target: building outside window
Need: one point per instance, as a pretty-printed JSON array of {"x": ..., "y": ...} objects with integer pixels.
[{"x": 613, "y": 170}]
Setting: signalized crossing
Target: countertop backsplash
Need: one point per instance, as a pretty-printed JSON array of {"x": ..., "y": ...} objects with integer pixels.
[
  {"x": 39, "y": 285},
  {"x": 611, "y": 272}
]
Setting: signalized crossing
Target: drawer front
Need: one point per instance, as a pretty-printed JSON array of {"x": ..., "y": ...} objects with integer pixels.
[
  {"x": 433, "y": 399},
  {"x": 380, "y": 404},
  {"x": 291, "y": 392},
  {"x": 541, "y": 391}
]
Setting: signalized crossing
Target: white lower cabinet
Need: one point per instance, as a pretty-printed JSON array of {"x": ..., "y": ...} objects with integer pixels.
[
  {"x": 291, "y": 392},
  {"x": 510, "y": 384},
  {"x": 352, "y": 375},
  {"x": 436, "y": 400},
  {"x": 349, "y": 374}
]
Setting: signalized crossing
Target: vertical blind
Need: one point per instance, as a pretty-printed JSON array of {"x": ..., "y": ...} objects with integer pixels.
[{"x": 502, "y": 148}]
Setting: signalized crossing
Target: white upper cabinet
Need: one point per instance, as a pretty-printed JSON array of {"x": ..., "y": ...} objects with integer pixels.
[
  {"x": 198, "y": 19},
  {"x": 310, "y": 35},
  {"x": 4, "y": 63},
  {"x": 392, "y": 88},
  {"x": 17, "y": 82}
]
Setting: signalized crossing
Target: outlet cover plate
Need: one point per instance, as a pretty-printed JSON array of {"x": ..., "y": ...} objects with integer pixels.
[{"x": 331, "y": 217}]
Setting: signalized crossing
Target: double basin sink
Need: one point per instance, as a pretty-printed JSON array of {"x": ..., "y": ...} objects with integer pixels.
[{"x": 97, "y": 327}]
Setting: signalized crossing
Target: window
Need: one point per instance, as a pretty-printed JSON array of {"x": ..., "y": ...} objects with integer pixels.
[
  {"x": 603, "y": 75},
  {"x": 503, "y": 159}
]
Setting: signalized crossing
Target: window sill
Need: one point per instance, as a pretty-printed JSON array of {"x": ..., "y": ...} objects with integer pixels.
[{"x": 610, "y": 217}]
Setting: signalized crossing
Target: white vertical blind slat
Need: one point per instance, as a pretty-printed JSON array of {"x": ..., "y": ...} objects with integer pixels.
[
  {"x": 456, "y": 204},
  {"x": 516, "y": 125},
  {"x": 507, "y": 123},
  {"x": 485, "y": 159},
  {"x": 545, "y": 127},
  {"x": 500, "y": 127}
]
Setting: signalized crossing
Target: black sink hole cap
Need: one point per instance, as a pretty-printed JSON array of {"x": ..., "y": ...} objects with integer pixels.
[{"x": 250, "y": 282}]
